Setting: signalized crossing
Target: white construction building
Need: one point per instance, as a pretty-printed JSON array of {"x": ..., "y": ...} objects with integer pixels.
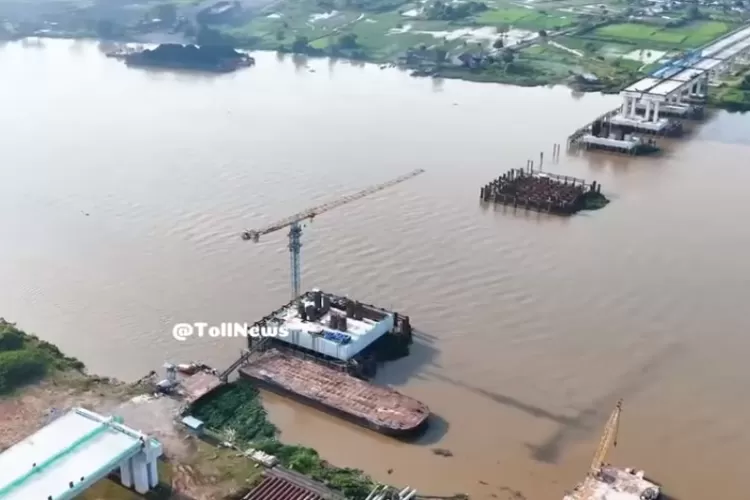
[{"x": 329, "y": 328}]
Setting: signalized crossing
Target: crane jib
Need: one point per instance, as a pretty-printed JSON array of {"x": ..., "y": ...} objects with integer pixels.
[
  {"x": 296, "y": 230},
  {"x": 312, "y": 212}
]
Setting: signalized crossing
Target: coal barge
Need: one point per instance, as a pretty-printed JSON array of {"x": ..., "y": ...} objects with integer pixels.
[{"x": 327, "y": 348}]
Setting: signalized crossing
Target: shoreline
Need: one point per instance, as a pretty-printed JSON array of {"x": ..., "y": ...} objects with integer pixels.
[
  {"x": 723, "y": 102},
  {"x": 38, "y": 383}
]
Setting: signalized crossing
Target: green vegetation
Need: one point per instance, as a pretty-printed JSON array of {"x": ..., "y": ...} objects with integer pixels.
[
  {"x": 690, "y": 35},
  {"x": 533, "y": 20},
  {"x": 507, "y": 41},
  {"x": 733, "y": 95},
  {"x": 25, "y": 359},
  {"x": 236, "y": 413}
]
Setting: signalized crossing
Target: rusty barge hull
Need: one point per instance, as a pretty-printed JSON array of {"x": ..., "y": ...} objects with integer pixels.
[{"x": 337, "y": 393}]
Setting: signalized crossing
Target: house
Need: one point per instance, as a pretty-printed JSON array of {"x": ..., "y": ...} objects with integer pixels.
[{"x": 193, "y": 425}]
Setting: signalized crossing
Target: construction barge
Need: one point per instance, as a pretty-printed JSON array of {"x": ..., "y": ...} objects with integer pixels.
[
  {"x": 381, "y": 409},
  {"x": 543, "y": 192},
  {"x": 327, "y": 349},
  {"x": 605, "y": 482}
]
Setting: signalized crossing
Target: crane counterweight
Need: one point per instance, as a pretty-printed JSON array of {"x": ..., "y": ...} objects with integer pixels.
[{"x": 295, "y": 228}]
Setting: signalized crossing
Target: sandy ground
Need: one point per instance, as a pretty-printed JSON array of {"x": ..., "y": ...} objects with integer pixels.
[{"x": 195, "y": 470}]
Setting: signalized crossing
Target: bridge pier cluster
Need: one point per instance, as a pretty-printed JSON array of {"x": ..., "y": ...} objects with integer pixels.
[
  {"x": 141, "y": 471},
  {"x": 678, "y": 89}
]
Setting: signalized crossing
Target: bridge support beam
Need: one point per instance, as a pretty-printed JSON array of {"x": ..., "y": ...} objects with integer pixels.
[
  {"x": 141, "y": 471},
  {"x": 126, "y": 474},
  {"x": 140, "y": 474},
  {"x": 628, "y": 106}
]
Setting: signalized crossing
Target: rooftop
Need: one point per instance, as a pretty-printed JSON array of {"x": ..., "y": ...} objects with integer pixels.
[
  {"x": 75, "y": 447},
  {"x": 282, "y": 484},
  {"x": 292, "y": 321},
  {"x": 192, "y": 422}
]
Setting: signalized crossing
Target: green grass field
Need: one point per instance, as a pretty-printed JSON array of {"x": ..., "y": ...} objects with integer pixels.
[
  {"x": 518, "y": 17},
  {"x": 384, "y": 35},
  {"x": 692, "y": 35}
]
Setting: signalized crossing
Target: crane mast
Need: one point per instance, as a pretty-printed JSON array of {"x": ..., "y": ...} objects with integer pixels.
[{"x": 294, "y": 223}]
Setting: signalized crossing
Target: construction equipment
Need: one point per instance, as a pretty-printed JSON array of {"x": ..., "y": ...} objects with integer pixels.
[
  {"x": 586, "y": 490},
  {"x": 295, "y": 227},
  {"x": 609, "y": 438}
]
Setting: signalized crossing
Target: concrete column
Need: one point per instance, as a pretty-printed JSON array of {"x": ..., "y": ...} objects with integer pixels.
[
  {"x": 625, "y": 105},
  {"x": 699, "y": 86},
  {"x": 126, "y": 474},
  {"x": 140, "y": 474},
  {"x": 656, "y": 111},
  {"x": 153, "y": 474},
  {"x": 649, "y": 108}
]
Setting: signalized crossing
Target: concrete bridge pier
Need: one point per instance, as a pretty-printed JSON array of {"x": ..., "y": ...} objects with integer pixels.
[
  {"x": 126, "y": 474},
  {"x": 628, "y": 106},
  {"x": 141, "y": 471},
  {"x": 652, "y": 110}
]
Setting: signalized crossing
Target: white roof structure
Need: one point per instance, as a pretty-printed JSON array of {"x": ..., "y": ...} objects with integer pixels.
[
  {"x": 64, "y": 458},
  {"x": 318, "y": 335}
]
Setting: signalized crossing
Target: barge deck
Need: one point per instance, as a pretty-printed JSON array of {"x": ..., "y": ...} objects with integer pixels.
[
  {"x": 615, "y": 483},
  {"x": 381, "y": 409}
]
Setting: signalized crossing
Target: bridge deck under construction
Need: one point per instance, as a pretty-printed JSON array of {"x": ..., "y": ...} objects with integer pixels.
[{"x": 680, "y": 72}]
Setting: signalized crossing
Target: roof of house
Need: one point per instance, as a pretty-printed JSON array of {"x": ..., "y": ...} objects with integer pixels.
[
  {"x": 276, "y": 488},
  {"x": 192, "y": 422},
  {"x": 282, "y": 484}
]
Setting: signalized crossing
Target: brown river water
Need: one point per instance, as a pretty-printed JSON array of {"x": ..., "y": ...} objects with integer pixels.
[{"x": 531, "y": 326}]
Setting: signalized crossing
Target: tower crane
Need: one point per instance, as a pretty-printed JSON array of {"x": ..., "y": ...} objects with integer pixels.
[{"x": 294, "y": 223}]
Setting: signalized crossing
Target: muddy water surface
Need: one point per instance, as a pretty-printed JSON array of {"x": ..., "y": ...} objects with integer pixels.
[{"x": 123, "y": 192}]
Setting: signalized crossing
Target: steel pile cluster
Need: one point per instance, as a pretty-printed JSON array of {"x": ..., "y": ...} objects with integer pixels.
[{"x": 537, "y": 191}]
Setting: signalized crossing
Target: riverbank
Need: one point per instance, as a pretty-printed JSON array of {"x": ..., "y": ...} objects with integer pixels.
[
  {"x": 38, "y": 382},
  {"x": 728, "y": 96},
  {"x": 590, "y": 50}
]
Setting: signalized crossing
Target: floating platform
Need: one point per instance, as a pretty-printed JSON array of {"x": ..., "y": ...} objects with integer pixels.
[
  {"x": 338, "y": 331},
  {"x": 381, "y": 409},
  {"x": 628, "y": 144},
  {"x": 614, "y": 483},
  {"x": 543, "y": 192},
  {"x": 663, "y": 126}
]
